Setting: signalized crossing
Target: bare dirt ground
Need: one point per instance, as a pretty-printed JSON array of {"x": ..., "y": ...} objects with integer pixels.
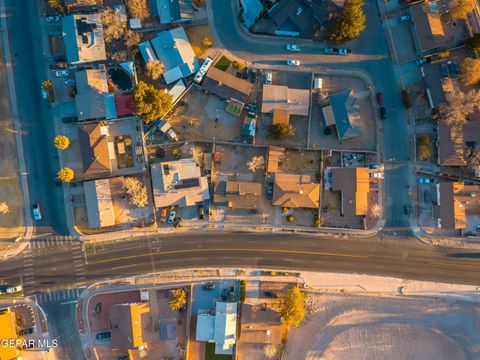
[
  {"x": 11, "y": 222},
  {"x": 351, "y": 327},
  {"x": 200, "y": 37},
  {"x": 301, "y": 161}
]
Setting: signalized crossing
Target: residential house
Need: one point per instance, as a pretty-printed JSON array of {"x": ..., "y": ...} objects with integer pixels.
[
  {"x": 96, "y": 153},
  {"x": 251, "y": 11},
  {"x": 178, "y": 183},
  {"x": 259, "y": 326},
  {"x": 172, "y": 11},
  {"x": 430, "y": 34},
  {"x": 282, "y": 102},
  {"x": 8, "y": 331},
  {"x": 93, "y": 100},
  {"x": 220, "y": 328},
  {"x": 438, "y": 79},
  {"x": 226, "y": 85},
  {"x": 354, "y": 185},
  {"x": 127, "y": 322},
  {"x": 343, "y": 111},
  {"x": 173, "y": 49},
  {"x": 75, "y": 5},
  {"x": 239, "y": 194},
  {"x": 83, "y": 36},
  {"x": 98, "y": 200},
  {"x": 296, "y": 191},
  {"x": 456, "y": 202},
  {"x": 274, "y": 159}
]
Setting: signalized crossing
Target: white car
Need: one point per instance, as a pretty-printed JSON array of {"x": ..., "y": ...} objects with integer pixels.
[
  {"x": 44, "y": 94},
  {"x": 53, "y": 18},
  {"x": 291, "y": 47},
  {"x": 268, "y": 78},
  {"x": 62, "y": 73},
  {"x": 171, "y": 217},
  {"x": 293, "y": 62},
  {"x": 37, "y": 215}
]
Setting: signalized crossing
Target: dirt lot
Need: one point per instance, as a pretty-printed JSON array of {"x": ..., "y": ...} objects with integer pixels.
[
  {"x": 202, "y": 117},
  {"x": 350, "y": 327},
  {"x": 200, "y": 37},
  {"x": 11, "y": 197},
  {"x": 301, "y": 161},
  {"x": 234, "y": 163}
]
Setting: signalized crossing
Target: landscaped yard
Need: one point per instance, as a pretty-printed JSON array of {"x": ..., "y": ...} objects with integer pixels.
[
  {"x": 123, "y": 151},
  {"x": 200, "y": 38},
  {"x": 210, "y": 353},
  {"x": 224, "y": 63}
]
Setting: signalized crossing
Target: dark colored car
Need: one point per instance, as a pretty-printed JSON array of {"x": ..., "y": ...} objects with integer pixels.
[
  {"x": 209, "y": 286},
  {"x": 201, "y": 212},
  {"x": 103, "y": 335},
  {"x": 70, "y": 119},
  {"x": 26, "y": 331},
  {"x": 406, "y": 209},
  {"x": 271, "y": 294},
  {"x": 224, "y": 294},
  {"x": 383, "y": 113},
  {"x": 380, "y": 98},
  {"x": 269, "y": 191}
]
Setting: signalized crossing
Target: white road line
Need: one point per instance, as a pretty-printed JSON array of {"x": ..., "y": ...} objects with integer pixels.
[
  {"x": 123, "y": 267},
  {"x": 68, "y": 302},
  {"x": 77, "y": 292},
  {"x": 49, "y": 296}
]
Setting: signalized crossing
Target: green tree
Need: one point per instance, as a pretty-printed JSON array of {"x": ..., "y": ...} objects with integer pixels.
[
  {"x": 57, "y": 5},
  {"x": 459, "y": 9},
  {"x": 473, "y": 43},
  {"x": 150, "y": 103},
  {"x": 290, "y": 218},
  {"x": 280, "y": 131},
  {"x": 348, "y": 24},
  {"x": 423, "y": 153},
  {"x": 293, "y": 309},
  {"x": 61, "y": 142},
  {"x": 65, "y": 174},
  {"x": 178, "y": 299},
  {"x": 470, "y": 71}
]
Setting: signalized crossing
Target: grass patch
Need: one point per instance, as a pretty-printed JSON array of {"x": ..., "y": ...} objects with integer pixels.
[
  {"x": 12, "y": 296},
  {"x": 210, "y": 353},
  {"x": 223, "y": 64},
  {"x": 200, "y": 38}
]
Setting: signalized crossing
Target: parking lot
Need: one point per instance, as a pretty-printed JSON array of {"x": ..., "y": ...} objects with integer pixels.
[{"x": 205, "y": 299}]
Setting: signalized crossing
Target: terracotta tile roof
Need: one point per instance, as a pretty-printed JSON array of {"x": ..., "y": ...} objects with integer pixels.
[
  {"x": 95, "y": 153},
  {"x": 275, "y": 157},
  {"x": 429, "y": 30},
  {"x": 281, "y": 116},
  {"x": 354, "y": 183},
  {"x": 296, "y": 191},
  {"x": 455, "y": 201}
]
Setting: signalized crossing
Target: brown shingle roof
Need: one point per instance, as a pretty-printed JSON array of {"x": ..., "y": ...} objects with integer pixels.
[
  {"x": 281, "y": 116},
  {"x": 94, "y": 148},
  {"x": 275, "y": 157},
  {"x": 296, "y": 191},
  {"x": 428, "y": 27},
  {"x": 239, "y": 194},
  {"x": 354, "y": 183},
  {"x": 226, "y": 85}
]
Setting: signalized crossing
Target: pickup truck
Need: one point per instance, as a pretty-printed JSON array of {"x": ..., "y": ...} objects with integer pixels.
[{"x": 337, "y": 51}]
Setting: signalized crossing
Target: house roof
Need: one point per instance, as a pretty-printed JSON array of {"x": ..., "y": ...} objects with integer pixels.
[
  {"x": 94, "y": 147},
  {"x": 178, "y": 183},
  {"x": 430, "y": 34},
  {"x": 173, "y": 49},
  {"x": 295, "y": 191},
  {"x": 433, "y": 80},
  {"x": 168, "y": 329},
  {"x": 98, "y": 200},
  {"x": 205, "y": 330},
  {"x": 92, "y": 99},
  {"x": 171, "y": 11},
  {"x": 354, "y": 183},
  {"x": 251, "y": 10},
  {"x": 124, "y": 105},
  {"x": 239, "y": 194},
  {"x": 275, "y": 157},
  {"x": 281, "y": 116},
  {"x": 296, "y": 101},
  {"x": 225, "y": 327},
  {"x": 147, "y": 52},
  {"x": 83, "y": 35},
  {"x": 126, "y": 324},
  {"x": 451, "y": 148},
  {"x": 260, "y": 326},
  {"x": 226, "y": 85},
  {"x": 8, "y": 331},
  {"x": 345, "y": 110}
]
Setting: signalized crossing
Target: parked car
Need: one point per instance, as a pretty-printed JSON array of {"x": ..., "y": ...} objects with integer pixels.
[
  {"x": 26, "y": 331},
  {"x": 379, "y": 98},
  {"x": 209, "y": 286},
  {"x": 103, "y": 335},
  {"x": 337, "y": 51},
  {"x": 293, "y": 62},
  {"x": 201, "y": 212},
  {"x": 171, "y": 216},
  {"x": 406, "y": 209},
  {"x": 405, "y": 18},
  {"x": 37, "y": 215},
  {"x": 268, "y": 78},
  {"x": 44, "y": 94},
  {"x": 163, "y": 215},
  {"x": 252, "y": 106},
  {"x": 425, "y": 180},
  {"x": 224, "y": 295},
  {"x": 427, "y": 59},
  {"x": 271, "y": 294},
  {"x": 62, "y": 73},
  {"x": 8, "y": 289},
  {"x": 383, "y": 113},
  {"x": 70, "y": 82},
  {"x": 70, "y": 119},
  {"x": 291, "y": 47},
  {"x": 59, "y": 65},
  {"x": 53, "y": 18},
  {"x": 231, "y": 293},
  {"x": 269, "y": 191}
]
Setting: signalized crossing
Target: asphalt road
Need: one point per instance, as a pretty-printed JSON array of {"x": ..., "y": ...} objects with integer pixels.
[
  {"x": 400, "y": 257},
  {"x": 41, "y": 158},
  {"x": 369, "y": 54}
]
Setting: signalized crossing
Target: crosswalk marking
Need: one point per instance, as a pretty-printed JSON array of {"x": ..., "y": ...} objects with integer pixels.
[{"x": 65, "y": 296}]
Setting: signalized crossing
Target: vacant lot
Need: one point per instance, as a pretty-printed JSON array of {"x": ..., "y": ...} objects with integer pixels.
[
  {"x": 200, "y": 37},
  {"x": 301, "y": 161}
]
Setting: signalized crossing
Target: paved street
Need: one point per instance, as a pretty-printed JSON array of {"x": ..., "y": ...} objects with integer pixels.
[
  {"x": 370, "y": 54},
  {"x": 30, "y": 67}
]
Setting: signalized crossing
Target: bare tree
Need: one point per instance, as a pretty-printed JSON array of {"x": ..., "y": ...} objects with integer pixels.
[
  {"x": 470, "y": 71},
  {"x": 375, "y": 211},
  {"x": 154, "y": 69},
  {"x": 137, "y": 192},
  {"x": 270, "y": 351},
  {"x": 132, "y": 38},
  {"x": 461, "y": 8},
  {"x": 114, "y": 24},
  {"x": 459, "y": 105},
  {"x": 4, "y": 208},
  {"x": 138, "y": 9},
  {"x": 255, "y": 163}
]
